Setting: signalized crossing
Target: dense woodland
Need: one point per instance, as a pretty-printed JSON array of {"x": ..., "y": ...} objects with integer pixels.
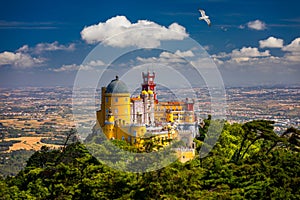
[{"x": 249, "y": 161}]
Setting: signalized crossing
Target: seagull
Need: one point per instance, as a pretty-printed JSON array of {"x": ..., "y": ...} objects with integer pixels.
[{"x": 204, "y": 17}]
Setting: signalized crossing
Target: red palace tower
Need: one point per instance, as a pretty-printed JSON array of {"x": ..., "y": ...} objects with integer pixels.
[{"x": 148, "y": 83}]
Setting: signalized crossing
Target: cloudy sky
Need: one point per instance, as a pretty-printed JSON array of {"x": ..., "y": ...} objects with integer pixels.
[{"x": 44, "y": 43}]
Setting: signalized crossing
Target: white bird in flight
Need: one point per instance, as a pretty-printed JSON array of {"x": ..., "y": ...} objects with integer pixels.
[{"x": 204, "y": 17}]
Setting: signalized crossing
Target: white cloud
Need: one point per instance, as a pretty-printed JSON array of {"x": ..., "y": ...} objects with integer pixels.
[
  {"x": 271, "y": 42},
  {"x": 244, "y": 52},
  {"x": 54, "y": 46},
  {"x": 147, "y": 60},
  {"x": 252, "y": 59},
  {"x": 143, "y": 34},
  {"x": 92, "y": 65},
  {"x": 66, "y": 68},
  {"x": 292, "y": 57},
  {"x": 25, "y": 56},
  {"x": 244, "y": 55},
  {"x": 19, "y": 60},
  {"x": 168, "y": 58},
  {"x": 294, "y": 46},
  {"x": 96, "y": 63},
  {"x": 184, "y": 54},
  {"x": 293, "y": 50},
  {"x": 249, "y": 52},
  {"x": 41, "y": 47},
  {"x": 257, "y": 25},
  {"x": 177, "y": 55},
  {"x": 24, "y": 48}
]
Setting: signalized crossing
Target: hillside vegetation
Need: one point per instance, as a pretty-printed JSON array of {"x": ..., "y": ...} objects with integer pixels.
[{"x": 249, "y": 161}]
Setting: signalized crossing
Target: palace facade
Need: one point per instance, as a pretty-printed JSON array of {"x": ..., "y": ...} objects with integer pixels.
[{"x": 135, "y": 118}]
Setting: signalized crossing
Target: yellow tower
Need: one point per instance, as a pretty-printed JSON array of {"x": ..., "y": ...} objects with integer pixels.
[
  {"x": 109, "y": 125},
  {"x": 115, "y": 97}
]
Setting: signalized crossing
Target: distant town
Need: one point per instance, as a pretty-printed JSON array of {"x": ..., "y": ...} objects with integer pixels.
[
  {"x": 278, "y": 104},
  {"x": 46, "y": 113}
]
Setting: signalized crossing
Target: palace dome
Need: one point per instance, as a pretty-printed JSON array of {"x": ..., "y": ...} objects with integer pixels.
[{"x": 116, "y": 86}]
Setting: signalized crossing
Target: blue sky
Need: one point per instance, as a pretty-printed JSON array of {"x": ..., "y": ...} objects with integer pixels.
[{"x": 252, "y": 42}]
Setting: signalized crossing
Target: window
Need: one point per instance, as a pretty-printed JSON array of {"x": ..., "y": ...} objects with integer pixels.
[
  {"x": 116, "y": 111},
  {"x": 134, "y": 133},
  {"x": 129, "y": 139},
  {"x": 126, "y": 99},
  {"x": 123, "y": 138},
  {"x": 116, "y": 99},
  {"x": 106, "y": 99}
]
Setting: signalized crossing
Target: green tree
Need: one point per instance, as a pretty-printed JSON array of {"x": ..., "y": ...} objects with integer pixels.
[
  {"x": 74, "y": 173},
  {"x": 252, "y": 132}
]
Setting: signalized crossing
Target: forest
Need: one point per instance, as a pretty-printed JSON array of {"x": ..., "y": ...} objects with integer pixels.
[{"x": 249, "y": 161}]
